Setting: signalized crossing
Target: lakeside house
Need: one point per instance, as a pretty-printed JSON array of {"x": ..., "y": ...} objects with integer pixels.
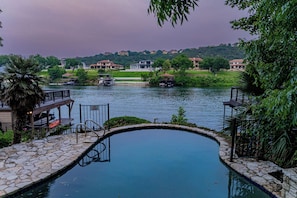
[
  {"x": 143, "y": 65},
  {"x": 106, "y": 65},
  {"x": 123, "y": 53},
  {"x": 237, "y": 65},
  {"x": 196, "y": 61}
]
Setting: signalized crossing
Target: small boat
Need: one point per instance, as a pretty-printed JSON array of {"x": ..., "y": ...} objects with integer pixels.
[
  {"x": 54, "y": 124},
  {"x": 106, "y": 80},
  {"x": 40, "y": 120},
  {"x": 71, "y": 82}
]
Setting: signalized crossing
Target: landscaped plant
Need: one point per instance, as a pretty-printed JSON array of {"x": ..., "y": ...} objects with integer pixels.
[
  {"x": 124, "y": 121},
  {"x": 20, "y": 89},
  {"x": 180, "y": 118},
  {"x": 6, "y": 138}
]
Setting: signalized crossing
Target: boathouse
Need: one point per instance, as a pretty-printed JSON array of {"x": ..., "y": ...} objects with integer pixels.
[
  {"x": 40, "y": 116},
  {"x": 167, "y": 80}
]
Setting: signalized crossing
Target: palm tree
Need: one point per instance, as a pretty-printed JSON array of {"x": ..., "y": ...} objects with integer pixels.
[{"x": 20, "y": 90}]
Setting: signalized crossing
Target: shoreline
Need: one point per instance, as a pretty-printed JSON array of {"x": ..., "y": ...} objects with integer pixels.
[{"x": 132, "y": 83}]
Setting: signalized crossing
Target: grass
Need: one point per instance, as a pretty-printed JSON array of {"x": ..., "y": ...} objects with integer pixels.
[{"x": 201, "y": 78}]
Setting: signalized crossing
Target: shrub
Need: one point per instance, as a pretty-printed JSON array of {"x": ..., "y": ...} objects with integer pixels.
[
  {"x": 181, "y": 119},
  {"x": 124, "y": 121},
  {"x": 6, "y": 138}
]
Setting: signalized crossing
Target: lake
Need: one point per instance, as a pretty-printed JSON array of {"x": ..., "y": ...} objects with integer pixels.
[{"x": 203, "y": 106}]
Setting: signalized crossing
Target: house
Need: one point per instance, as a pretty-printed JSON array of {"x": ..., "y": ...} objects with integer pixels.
[
  {"x": 107, "y": 53},
  {"x": 106, "y": 65},
  {"x": 173, "y": 52},
  {"x": 145, "y": 65},
  {"x": 196, "y": 62},
  {"x": 123, "y": 53},
  {"x": 237, "y": 64}
]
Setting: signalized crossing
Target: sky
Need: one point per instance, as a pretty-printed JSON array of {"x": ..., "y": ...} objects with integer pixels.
[{"x": 78, "y": 28}]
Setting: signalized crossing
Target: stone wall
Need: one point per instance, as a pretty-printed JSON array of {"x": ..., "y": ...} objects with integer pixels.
[{"x": 289, "y": 189}]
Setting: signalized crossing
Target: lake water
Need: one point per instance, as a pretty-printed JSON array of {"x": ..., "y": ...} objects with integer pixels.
[{"x": 203, "y": 106}]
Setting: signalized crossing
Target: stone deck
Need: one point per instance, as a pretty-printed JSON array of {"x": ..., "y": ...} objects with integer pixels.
[{"x": 24, "y": 164}]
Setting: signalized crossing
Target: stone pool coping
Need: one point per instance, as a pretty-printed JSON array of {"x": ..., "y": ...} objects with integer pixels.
[{"x": 26, "y": 164}]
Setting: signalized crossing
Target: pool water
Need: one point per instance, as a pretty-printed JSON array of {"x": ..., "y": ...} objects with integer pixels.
[{"x": 151, "y": 163}]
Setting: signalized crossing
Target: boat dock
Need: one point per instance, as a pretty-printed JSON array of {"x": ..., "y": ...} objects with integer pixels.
[{"x": 53, "y": 99}]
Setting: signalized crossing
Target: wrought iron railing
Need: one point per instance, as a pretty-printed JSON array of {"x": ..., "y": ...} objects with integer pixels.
[{"x": 50, "y": 96}]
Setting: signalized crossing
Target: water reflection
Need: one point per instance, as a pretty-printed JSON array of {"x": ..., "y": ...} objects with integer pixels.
[
  {"x": 180, "y": 94},
  {"x": 99, "y": 153},
  {"x": 240, "y": 188}
]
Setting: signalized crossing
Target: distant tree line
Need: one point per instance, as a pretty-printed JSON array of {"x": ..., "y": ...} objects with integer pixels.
[{"x": 226, "y": 51}]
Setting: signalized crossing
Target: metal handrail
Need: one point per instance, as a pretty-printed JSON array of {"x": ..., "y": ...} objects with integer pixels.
[
  {"x": 80, "y": 125},
  {"x": 92, "y": 121}
]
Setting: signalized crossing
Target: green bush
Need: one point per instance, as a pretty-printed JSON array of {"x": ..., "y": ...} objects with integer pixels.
[
  {"x": 181, "y": 119},
  {"x": 124, "y": 121},
  {"x": 6, "y": 138}
]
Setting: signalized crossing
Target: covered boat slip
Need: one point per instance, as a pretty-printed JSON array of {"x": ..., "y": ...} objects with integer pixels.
[
  {"x": 41, "y": 117},
  {"x": 53, "y": 99}
]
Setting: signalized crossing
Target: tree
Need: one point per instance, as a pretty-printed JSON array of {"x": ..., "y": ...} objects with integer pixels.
[
  {"x": 82, "y": 76},
  {"x": 20, "y": 90},
  {"x": 72, "y": 62},
  {"x": 273, "y": 56},
  {"x": 45, "y": 62},
  {"x": 180, "y": 118},
  {"x": 271, "y": 73},
  {"x": 4, "y": 59},
  {"x": 56, "y": 72},
  {"x": 172, "y": 10},
  {"x": 52, "y": 61},
  {"x": 41, "y": 60},
  {"x": 158, "y": 63},
  {"x": 181, "y": 63},
  {"x": 166, "y": 65},
  {"x": 214, "y": 64},
  {"x": 163, "y": 64}
]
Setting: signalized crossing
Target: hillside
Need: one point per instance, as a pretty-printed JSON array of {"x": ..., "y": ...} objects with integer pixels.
[{"x": 226, "y": 51}]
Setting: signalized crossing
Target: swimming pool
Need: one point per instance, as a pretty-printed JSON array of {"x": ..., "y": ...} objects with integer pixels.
[{"x": 150, "y": 163}]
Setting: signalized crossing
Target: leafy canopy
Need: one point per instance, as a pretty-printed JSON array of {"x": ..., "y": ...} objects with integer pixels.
[
  {"x": 171, "y": 10},
  {"x": 214, "y": 64},
  {"x": 271, "y": 75},
  {"x": 20, "y": 89}
]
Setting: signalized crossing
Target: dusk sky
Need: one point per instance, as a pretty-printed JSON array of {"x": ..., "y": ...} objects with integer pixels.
[{"x": 71, "y": 28}]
